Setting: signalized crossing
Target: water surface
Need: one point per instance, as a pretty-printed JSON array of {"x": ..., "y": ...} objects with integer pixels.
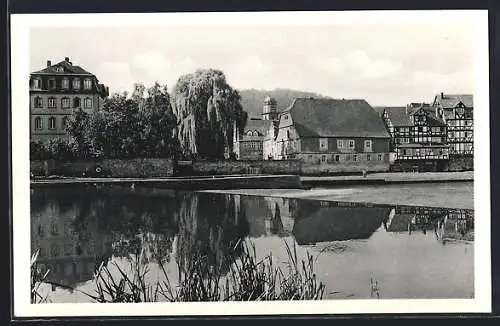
[{"x": 410, "y": 251}]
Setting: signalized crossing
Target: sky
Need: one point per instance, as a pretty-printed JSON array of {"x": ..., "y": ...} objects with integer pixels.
[{"x": 385, "y": 64}]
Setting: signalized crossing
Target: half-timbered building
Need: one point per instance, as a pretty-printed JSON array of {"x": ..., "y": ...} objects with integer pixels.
[{"x": 456, "y": 110}]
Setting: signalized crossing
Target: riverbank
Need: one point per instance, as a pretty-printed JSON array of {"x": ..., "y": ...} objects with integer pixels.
[
  {"x": 439, "y": 194},
  {"x": 387, "y": 178},
  {"x": 194, "y": 183}
]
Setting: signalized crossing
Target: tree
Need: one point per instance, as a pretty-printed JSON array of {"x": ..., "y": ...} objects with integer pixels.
[
  {"x": 139, "y": 125},
  {"x": 207, "y": 108},
  {"x": 76, "y": 127}
]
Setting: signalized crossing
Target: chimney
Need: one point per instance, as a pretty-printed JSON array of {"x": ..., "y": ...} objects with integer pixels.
[
  {"x": 442, "y": 95},
  {"x": 67, "y": 60},
  {"x": 49, "y": 63}
]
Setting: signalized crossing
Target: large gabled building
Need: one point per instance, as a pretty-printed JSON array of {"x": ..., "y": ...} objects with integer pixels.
[
  {"x": 333, "y": 135},
  {"x": 56, "y": 92}
]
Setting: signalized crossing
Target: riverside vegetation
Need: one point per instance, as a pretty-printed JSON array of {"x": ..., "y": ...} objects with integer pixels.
[{"x": 246, "y": 279}]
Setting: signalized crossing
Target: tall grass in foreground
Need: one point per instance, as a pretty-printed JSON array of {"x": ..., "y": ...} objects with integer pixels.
[
  {"x": 247, "y": 279},
  {"x": 38, "y": 277}
]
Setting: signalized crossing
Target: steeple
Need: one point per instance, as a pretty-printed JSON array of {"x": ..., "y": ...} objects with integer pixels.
[{"x": 270, "y": 109}]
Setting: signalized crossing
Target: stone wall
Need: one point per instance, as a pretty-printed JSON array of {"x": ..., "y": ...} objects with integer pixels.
[
  {"x": 110, "y": 168},
  {"x": 461, "y": 163},
  {"x": 140, "y": 168},
  {"x": 245, "y": 167},
  {"x": 343, "y": 168}
]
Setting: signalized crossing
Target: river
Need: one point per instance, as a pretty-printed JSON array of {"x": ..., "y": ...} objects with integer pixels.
[{"x": 409, "y": 251}]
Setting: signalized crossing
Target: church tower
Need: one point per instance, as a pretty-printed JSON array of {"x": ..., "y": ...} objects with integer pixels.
[{"x": 270, "y": 111}]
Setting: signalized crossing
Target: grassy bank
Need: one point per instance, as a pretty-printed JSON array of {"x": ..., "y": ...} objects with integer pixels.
[{"x": 244, "y": 279}]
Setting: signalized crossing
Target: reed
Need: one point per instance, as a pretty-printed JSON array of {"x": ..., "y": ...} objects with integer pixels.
[
  {"x": 38, "y": 277},
  {"x": 246, "y": 279}
]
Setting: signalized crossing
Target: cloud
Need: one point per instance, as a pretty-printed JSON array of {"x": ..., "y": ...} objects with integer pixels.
[
  {"x": 116, "y": 74},
  {"x": 370, "y": 68},
  {"x": 150, "y": 61},
  {"x": 460, "y": 81},
  {"x": 333, "y": 65}
]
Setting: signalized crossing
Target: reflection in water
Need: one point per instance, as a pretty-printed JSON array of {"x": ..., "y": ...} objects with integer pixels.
[{"x": 76, "y": 230}]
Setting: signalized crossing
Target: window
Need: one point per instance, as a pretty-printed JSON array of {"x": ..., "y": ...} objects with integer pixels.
[
  {"x": 337, "y": 158},
  {"x": 286, "y": 116},
  {"x": 249, "y": 133},
  {"x": 38, "y": 123},
  {"x": 52, "y": 83},
  {"x": 323, "y": 144},
  {"x": 88, "y": 105},
  {"x": 76, "y": 83},
  {"x": 87, "y": 84},
  {"x": 38, "y": 102},
  {"x": 65, "y": 83},
  {"x": 76, "y": 102},
  {"x": 52, "y": 123},
  {"x": 368, "y": 157},
  {"x": 465, "y": 134},
  {"x": 345, "y": 143},
  {"x": 351, "y": 143},
  {"x": 288, "y": 134},
  {"x": 53, "y": 229},
  {"x": 355, "y": 158},
  {"x": 368, "y": 144},
  {"x": 59, "y": 69},
  {"x": 54, "y": 250},
  {"x": 404, "y": 152},
  {"x": 65, "y": 102},
  {"x": 52, "y": 102},
  {"x": 40, "y": 230},
  {"x": 310, "y": 157},
  {"x": 323, "y": 158},
  {"x": 380, "y": 157},
  {"x": 37, "y": 83}
]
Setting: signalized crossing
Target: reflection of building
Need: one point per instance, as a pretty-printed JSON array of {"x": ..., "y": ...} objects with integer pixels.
[
  {"x": 71, "y": 252},
  {"x": 322, "y": 221},
  {"x": 55, "y": 92},
  {"x": 446, "y": 223}
]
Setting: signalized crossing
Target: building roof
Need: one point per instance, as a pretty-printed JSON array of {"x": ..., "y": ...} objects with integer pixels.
[
  {"x": 68, "y": 68},
  {"x": 324, "y": 224},
  {"x": 261, "y": 126},
  {"x": 314, "y": 117},
  {"x": 451, "y": 100},
  {"x": 398, "y": 116}
]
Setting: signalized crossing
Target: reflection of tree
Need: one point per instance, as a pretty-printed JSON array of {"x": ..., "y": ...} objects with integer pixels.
[{"x": 210, "y": 228}]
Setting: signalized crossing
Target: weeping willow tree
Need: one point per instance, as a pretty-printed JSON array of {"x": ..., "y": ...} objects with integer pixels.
[{"x": 207, "y": 110}]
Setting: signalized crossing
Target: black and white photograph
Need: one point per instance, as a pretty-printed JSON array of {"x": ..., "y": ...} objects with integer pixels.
[{"x": 250, "y": 163}]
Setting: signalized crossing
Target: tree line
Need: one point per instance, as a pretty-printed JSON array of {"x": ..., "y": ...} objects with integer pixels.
[{"x": 195, "y": 120}]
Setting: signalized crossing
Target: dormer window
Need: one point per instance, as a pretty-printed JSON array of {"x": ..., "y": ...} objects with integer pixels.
[
  {"x": 52, "y": 83},
  {"x": 37, "y": 83},
  {"x": 87, "y": 84},
  {"x": 65, "y": 83},
  {"x": 249, "y": 133},
  {"x": 59, "y": 69},
  {"x": 76, "y": 83}
]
